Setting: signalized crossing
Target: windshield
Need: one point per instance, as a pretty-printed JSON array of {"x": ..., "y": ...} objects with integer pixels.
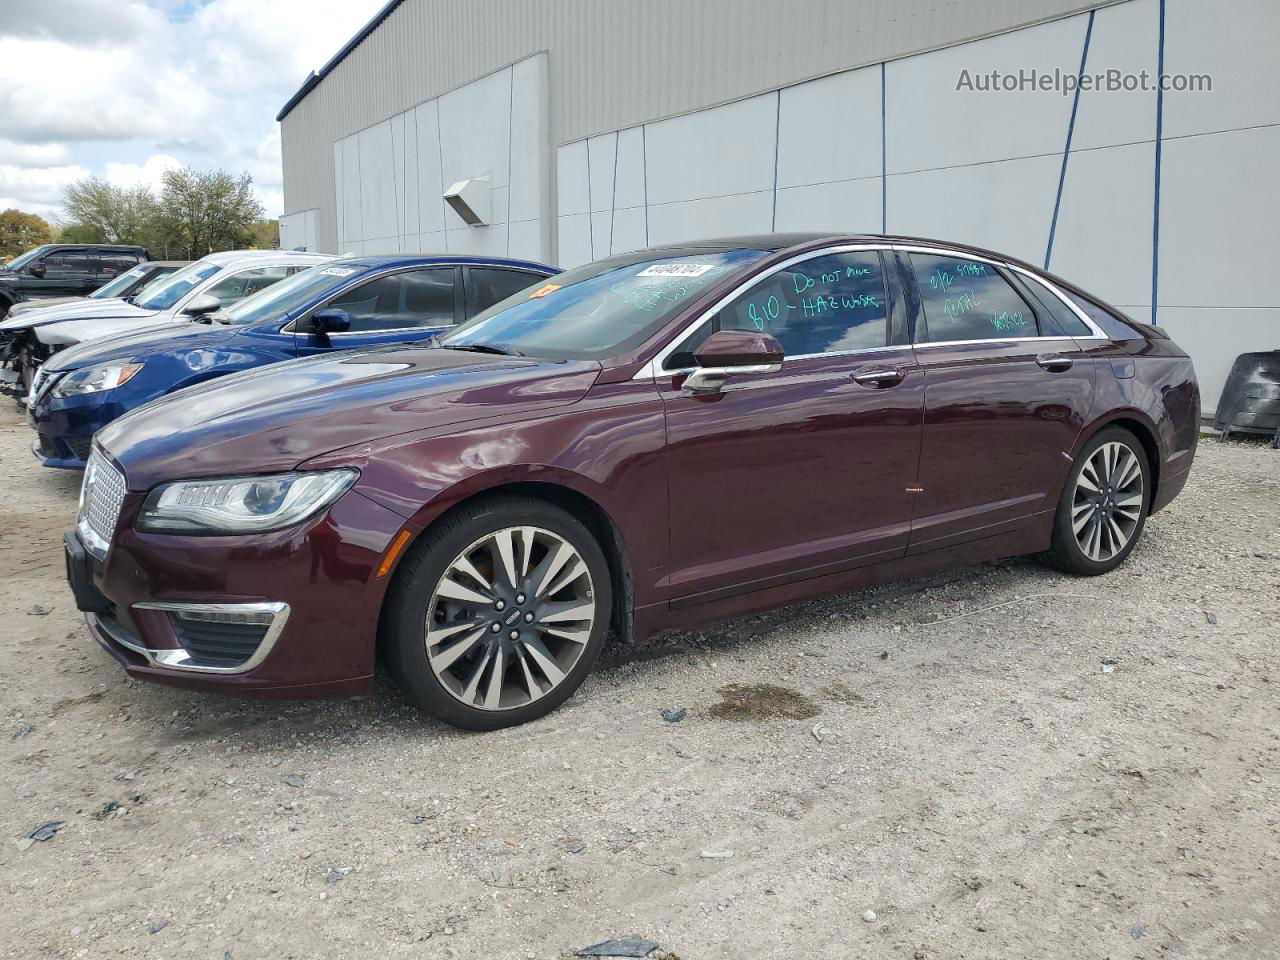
[
  {"x": 17, "y": 263},
  {"x": 171, "y": 289},
  {"x": 600, "y": 309},
  {"x": 279, "y": 298},
  {"x": 121, "y": 283}
]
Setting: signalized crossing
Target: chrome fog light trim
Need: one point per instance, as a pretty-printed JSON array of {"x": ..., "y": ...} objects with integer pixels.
[{"x": 273, "y": 615}]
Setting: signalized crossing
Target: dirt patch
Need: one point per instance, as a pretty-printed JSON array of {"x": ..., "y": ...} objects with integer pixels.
[
  {"x": 1049, "y": 779},
  {"x": 762, "y": 701}
]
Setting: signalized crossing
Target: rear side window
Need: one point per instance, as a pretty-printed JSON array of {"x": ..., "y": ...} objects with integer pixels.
[
  {"x": 417, "y": 298},
  {"x": 968, "y": 300},
  {"x": 487, "y": 286},
  {"x": 117, "y": 262},
  {"x": 246, "y": 283},
  {"x": 1113, "y": 326},
  {"x": 1056, "y": 318}
]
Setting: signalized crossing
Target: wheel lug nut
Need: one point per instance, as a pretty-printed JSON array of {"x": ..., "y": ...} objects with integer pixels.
[
  {"x": 515, "y": 634},
  {"x": 528, "y": 618},
  {"x": 496, "y": 627},
  {"x": 519, "y": 598},
  {"x": 500, "y": 605}
]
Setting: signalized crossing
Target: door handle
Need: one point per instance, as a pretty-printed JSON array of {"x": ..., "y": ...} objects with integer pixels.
[
  {"x": 1053, "y": 362},
  {"x": 879, "y": 378}
]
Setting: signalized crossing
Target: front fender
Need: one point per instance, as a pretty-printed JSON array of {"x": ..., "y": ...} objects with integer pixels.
[{"x": 609, "y": 447}]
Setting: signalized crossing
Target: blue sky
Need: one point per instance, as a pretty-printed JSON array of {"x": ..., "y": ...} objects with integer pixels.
[{"x": 127, "y": 88}]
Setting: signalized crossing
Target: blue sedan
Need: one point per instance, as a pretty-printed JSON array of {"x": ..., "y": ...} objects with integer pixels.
[{"x": 340, "y": 305}]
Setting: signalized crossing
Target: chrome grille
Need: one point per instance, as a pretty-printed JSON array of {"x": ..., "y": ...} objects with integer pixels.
[{"x": 101, "y": 497}]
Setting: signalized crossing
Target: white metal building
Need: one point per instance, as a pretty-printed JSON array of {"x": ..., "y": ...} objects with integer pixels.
[{"x": 576, "y": 128}]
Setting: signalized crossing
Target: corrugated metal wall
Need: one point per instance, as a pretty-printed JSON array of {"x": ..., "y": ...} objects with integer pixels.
[{"x": 614, "y": 63}]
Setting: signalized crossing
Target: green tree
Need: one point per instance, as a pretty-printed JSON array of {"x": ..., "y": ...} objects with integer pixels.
[
  {"x": 202, "y": 212},
  {"x": 118, "y": 214},
  {"x": 79, "y": 233},
  {"x": 265, "y": 235},
  {"x": 21, "y": 231}
]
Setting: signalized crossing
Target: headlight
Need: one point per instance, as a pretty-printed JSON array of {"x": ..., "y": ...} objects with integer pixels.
[
  {"x": 94, "y": 380},
  {"x": 242, "y": 504}
]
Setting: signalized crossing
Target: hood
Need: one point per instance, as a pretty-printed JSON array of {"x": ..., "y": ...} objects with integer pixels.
[
  {"x": 44, "y": 303},
  {"x": 137, "y": 344},
  {"x": 79, "y": 309},
  {"x": 68, "y": 332},
  {"x": 274, "y": 418}
]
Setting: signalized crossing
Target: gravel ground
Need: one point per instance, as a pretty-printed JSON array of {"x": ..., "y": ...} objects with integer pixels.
[{"x": 995, "y": 762}]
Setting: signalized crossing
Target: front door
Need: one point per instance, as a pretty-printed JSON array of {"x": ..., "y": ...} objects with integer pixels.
[
  {"x": 1006, "y": 395},
  {"x": 783, "y": 476}
]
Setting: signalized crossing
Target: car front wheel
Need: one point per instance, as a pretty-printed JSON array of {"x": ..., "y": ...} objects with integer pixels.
[
  {"x": 1104, "y": 505},
  {"x": 496, "y": 616}
]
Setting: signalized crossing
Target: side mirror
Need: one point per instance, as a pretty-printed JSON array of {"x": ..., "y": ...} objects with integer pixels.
[
  {"x": 37, "y": 271},
  {"x": 732, "y": 353},
  {"x": 202, "y": 305},
  {"x": 330, "y": 321}
]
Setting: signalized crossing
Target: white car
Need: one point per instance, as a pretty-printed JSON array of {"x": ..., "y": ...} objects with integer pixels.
[{"x": 199, "y": 288}]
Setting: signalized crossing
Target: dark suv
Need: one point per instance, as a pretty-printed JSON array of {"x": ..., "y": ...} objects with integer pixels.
[{"x": 62, "y": 270}]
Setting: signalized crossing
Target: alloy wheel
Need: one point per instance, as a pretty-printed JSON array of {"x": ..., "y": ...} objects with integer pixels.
[
  {"x": 510, "y": 618},
  {"x": 1108, "y": 500}
]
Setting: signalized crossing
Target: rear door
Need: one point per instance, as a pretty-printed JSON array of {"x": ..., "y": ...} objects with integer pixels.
[
  {"x": 809, "y": 470},
  {"x": 1006, "y": 396},
  {"x": 401, "y": 307}
]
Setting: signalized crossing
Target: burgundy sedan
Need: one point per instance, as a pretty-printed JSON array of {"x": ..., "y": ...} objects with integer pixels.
[{"x": 647, "y": 442}]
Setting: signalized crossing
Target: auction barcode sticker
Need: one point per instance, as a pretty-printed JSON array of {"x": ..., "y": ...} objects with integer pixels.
[{"x": 676, "y": 270}]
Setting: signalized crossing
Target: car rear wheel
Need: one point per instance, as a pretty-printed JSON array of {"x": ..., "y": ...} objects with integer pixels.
[
  {"x": 1104, "y": 504},
  {"x": 496, "y": 616}
]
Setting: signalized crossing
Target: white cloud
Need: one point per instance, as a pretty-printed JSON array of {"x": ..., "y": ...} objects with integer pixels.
[
  {"x": 148, "y": 174},
  {"x": 34, "y": 154},
  {"x": 37, "y": 189},
  {"x": 125, "y": 89}
]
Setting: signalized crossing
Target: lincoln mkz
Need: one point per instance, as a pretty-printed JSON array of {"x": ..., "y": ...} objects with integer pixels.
[{"x": 648, "y": 442}]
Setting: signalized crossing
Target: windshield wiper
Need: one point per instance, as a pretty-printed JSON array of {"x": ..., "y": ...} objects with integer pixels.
[{"x": 484, "y": 348}]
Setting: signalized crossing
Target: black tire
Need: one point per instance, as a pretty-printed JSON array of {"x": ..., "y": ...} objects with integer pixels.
[
  {"x": 405, "y": 612},
  {"x": 1065, "y": 551}
]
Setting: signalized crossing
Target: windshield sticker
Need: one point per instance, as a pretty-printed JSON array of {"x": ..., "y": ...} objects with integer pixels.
[
  {"x": 338, "y": 271},
  {"x": 543, "y": 290},
  {"x": 676, "y": 270}
]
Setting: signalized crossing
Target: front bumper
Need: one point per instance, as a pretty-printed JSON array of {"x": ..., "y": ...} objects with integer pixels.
[
  {"x": 291, "y": 614},
  {"x": 65, "y": 425}
]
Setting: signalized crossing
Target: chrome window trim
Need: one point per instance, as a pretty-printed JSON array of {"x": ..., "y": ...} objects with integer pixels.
[
  {"x": 653, "y": 369},
  {"x": 179, "y": 659},
  {"x": 961, "y": 255}
]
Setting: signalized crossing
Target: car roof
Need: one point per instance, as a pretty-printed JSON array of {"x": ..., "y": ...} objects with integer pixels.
[
  {"x": 396, "y": 260},
  {"x": 231, "y": 258},
  {"x": 164, "y": 263}
]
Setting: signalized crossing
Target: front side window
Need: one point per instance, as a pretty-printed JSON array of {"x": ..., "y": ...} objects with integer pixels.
[
  {"x": 968, "y": 300},
  {"x": 417, "y": 298},
  {"x": 489, "y": 285},
  {"x": 246, "y": 283},
  {"x": 70, "y": 263},
  {"x": 829, "y": 304},
  {"x": 164, "y": 293},
  {"x": 600, "y": 309}
]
